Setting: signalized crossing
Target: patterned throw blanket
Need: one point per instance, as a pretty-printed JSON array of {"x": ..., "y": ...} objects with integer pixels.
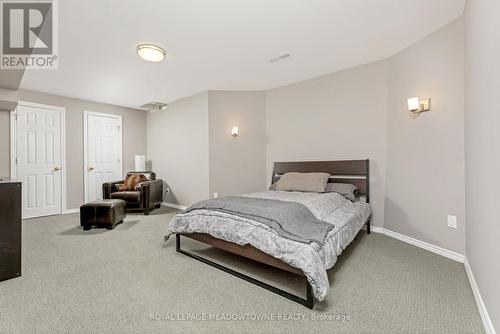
[
  {"x": 290, "y": 220},
  {"x": 131, "y": 182}
]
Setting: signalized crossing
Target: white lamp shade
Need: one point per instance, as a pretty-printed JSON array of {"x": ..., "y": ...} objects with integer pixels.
[
  {"x": 140, "y": 163},
  {"x": 235, "y": 131},
  {"x": 413, "y": 104}
]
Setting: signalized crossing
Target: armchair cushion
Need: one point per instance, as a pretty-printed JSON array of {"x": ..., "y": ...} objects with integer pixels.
[{"x": 127, "y": 196}]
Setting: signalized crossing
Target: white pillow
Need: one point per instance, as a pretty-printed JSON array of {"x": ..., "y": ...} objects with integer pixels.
[{"x": 307, "y": 182}]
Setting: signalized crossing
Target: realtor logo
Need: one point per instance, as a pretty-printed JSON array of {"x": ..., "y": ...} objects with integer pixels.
[{"x": 29, "y": 36}]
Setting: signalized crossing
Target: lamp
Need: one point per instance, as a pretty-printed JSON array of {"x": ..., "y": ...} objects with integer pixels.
[
  {"x": 235, "y": 131},
  {"x": 417, "y": 106},
  {"x": 140, "y": 163}
]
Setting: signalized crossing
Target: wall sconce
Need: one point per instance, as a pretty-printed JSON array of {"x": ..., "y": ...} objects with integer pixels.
[
  {"x": 417, "y": 106},
  {"x": 235, "y": 131}
]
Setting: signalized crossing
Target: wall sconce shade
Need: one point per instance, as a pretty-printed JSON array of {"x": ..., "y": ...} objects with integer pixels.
[
  {"x": 416, "y": 105},
  {"x": 235, "y": 131},
  {"x": 413, "y": 104}
]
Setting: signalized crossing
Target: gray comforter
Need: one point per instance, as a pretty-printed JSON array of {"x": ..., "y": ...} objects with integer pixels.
[
  {"x": 313, "y": 259},
  {"x": 290, "y": 220}
]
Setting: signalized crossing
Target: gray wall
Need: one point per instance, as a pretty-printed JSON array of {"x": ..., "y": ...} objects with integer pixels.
[
  {"x": 8, "y": 99},
  {"x": 334, "y": 117},
  {"x": 425, "y": 153},
  {"x": 417, "y": 163},
  {"x": 9, "y": 83},
  {"x": 178, "y": 148},
  {"x": 4, "y": 143},
  {"x": 134, "y": 136},
  {"x": 10, "y": 78},
  {"x": 482, "y": 148},
  {"x": 237, "y": 164}
]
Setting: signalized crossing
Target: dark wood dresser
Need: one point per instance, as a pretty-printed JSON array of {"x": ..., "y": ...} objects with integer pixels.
[{"x": 10, "y": 229}]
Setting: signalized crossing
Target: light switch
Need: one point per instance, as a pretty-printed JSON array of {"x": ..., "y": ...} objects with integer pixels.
[{"x": 452, "y": 221}]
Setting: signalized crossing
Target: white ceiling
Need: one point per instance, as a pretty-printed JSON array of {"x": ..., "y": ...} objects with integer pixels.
[{"x": 224, "y": 44}]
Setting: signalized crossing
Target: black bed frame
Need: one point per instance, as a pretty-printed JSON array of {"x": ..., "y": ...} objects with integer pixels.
[
  {"x": 307, "y": 302},
  {"x": 356, "y": 172}
]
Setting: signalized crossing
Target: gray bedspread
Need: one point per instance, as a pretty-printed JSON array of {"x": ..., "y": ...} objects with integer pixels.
[
  {"x": 290, "y": 220},
  {"x": 311, "y": 258}
]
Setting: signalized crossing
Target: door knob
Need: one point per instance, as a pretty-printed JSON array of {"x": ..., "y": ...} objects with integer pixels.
[
  {"x": 56, "y": 169},
  {"x": 91, "y": 168}
]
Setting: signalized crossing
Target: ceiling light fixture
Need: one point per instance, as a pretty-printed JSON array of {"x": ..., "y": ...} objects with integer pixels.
[{"x": 151, "y": 52}]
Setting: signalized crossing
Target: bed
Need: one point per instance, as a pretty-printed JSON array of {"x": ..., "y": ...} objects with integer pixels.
[{"x": 247, "y": 237}]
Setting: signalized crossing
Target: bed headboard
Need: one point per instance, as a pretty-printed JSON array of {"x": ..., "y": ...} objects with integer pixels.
[{"x": 356, "y": 172}]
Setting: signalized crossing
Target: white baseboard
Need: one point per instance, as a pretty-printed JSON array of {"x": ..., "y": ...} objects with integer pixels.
[
  {"x": 68, "y": 211},
  {"x": 488, "y": 325},
  {"x": 377, "y": 229},
  {"x": 175, "y": 206},
  {"x": 422, "y": 244}
]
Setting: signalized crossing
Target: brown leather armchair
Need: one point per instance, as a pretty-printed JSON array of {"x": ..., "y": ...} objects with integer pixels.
[{"x": 146, "y": 198}]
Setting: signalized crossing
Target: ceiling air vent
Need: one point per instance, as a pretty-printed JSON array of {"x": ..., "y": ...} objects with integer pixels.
[{"x": 280, "y": 58}]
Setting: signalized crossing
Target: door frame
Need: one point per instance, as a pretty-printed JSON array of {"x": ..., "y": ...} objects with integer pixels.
[
  {"x": 85, "y": 143},
  {"x": 13, "y": 144}
]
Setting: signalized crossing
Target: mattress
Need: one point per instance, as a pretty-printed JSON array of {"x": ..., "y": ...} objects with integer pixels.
[{"x": 313, "y": 259}]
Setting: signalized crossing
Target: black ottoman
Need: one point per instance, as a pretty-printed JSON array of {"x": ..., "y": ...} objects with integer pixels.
[{"x": 103, "y": 213}]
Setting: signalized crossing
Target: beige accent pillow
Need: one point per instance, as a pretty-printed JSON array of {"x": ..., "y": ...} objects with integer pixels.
[{"x": 307, "y": 182}]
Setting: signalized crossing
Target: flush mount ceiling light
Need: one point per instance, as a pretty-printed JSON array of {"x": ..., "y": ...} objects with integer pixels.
[{"x": 151, "y": 52}]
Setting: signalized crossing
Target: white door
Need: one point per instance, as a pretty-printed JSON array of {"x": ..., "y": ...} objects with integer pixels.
[
  {"x": 38, "y": 146},
  {"x": 103, "y": 152}
]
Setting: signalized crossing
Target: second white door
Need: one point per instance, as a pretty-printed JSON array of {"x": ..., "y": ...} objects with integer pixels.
[{"x": 103, "y": 152}]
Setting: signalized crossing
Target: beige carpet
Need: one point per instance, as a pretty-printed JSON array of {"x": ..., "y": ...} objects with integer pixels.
[{"x": 127, "y": 281}]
